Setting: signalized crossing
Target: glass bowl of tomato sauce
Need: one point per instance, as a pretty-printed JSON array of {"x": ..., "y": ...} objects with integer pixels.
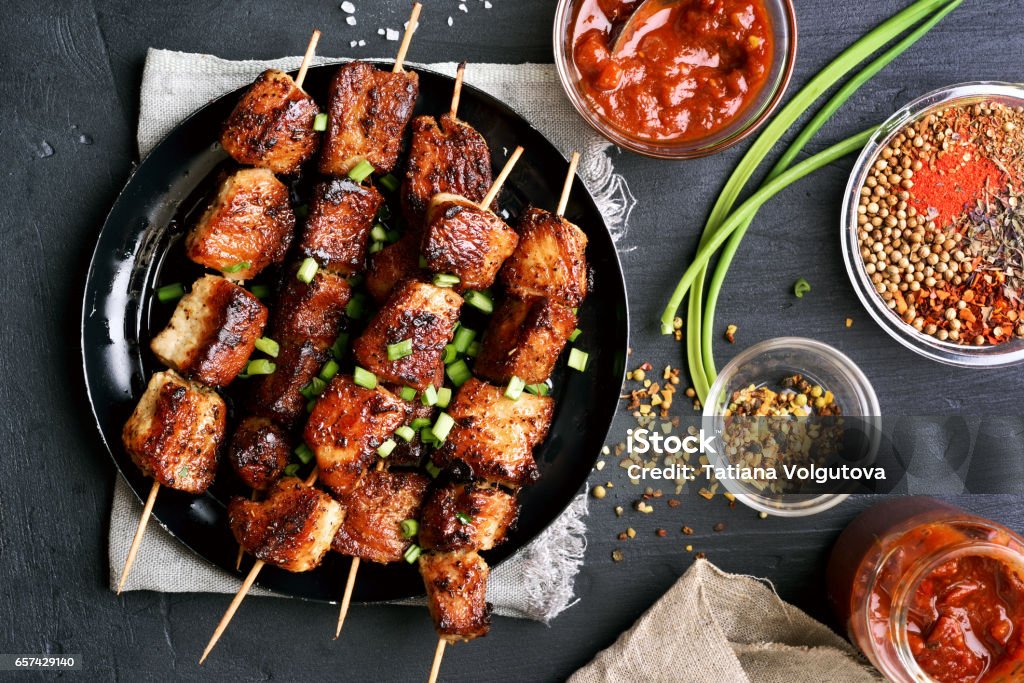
[
  {"x": 931, "y": 593},
  {"x": 684, "y": 78}
]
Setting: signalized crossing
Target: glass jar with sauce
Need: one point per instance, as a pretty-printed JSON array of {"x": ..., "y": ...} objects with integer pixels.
[{"x": 931, "y": 593}]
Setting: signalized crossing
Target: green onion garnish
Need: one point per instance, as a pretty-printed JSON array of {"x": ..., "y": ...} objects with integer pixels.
[
  {"x": 463, "y": 337},
  {"x": 356, "y": 307},
  {"x": 427, "y": 437},
  {"x": 407, "y": 394},
  {"x": 480, "y": 300},
  {"x": 423, "y": 261},
  {"x": 801, "y": 287},
  {"x": 515, "y": 388},
  {"x": 405, "y": 433},
  {"x": 329, "y": 370},
  {"x": 429, "y": 397},
  {"x": 315, "y": 387},
  {"x": 393, "y": 236},
  {"x": 169, "y": 293},
  {"x": 450, "y": 355},
  {"x": 575, "y": 334},
  {"x": 235, "y": 267},
  {"x": 260, "y": 366},
  {"x": 320, "y": 122},
  {"x": 292, "y": 469},
  {"x": 445, "y": 280},
  {"x": 400, "y": 350},
  {"x": 338, "y": 347},
  {"x": 310, "y": 405},
  {"x": 356, "y": 280},
  {"x": 361, "y": 171},
  {"x": 379, "y": 233},
  {"x": 410, "y": 527},
  {"x": 420, "y": 423},
  {"x": 442, "y": 426},
  {"x": 364, "y": 378},
  {"x": 259, "y": 291},
  {"x": 540, "y": 389},
  {"x": 304, "y": 453},
  {"x": 432, "y": 469},
  {"x": 384, "y": 450},
  {"x": 307, "y": 271},
  {"x": 412, "y": 553},
  {"x": 578, "y": 359},
  {"x": 388, "y": 182},
  {"x": 473, "y": 350},
  {"x": 376, "y": 246},
  {"x": 444, "y": 397},
  {"x": 463, "y": 518},
  {"x": 268, "y": 346},
  {"x": 458, "y": 372}
]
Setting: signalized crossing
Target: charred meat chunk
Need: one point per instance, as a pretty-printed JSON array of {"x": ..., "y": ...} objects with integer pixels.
[
  {"x": 374, "y": 512},
  {"x": 393, "y": 264},
  {"x": 462, "y": 239},
  {"x": 466, "y": 517},
  {"x": 310, "y": 311},
  {"x": 341, "y": 216},
  {"x": 259, "y": 452},
  {"x": 456, "y": 586},
  {"x": 524, "y": 339},
  {"x": 278, "y": 396},
  {"x": 549, "y": 261}
]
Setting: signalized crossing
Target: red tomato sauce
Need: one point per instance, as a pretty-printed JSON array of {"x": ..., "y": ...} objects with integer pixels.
[{"x": 688, "y": 71}]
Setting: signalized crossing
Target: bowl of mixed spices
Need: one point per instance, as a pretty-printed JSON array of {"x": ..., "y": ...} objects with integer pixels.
[{"x": 933, "y": 226}]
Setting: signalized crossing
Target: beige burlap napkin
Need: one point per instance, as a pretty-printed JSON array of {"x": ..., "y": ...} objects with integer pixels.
[{"x": 717, "y": 627}]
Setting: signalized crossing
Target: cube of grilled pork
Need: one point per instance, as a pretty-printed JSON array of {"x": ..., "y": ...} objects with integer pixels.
[
  {"x": 291, "y": 528},
  {"x": 278, "y": 395},
  {"x": 272, "y": 125},
  {"x": 550, "y": 259},
  {"x": 341, "y": 216},
  {"x": 368, "y": 111},
  {"x": 495, "y": 435},
  {"x": 419, "y": 312},
  {"x": 462, "y": 239},
  {"x": 212, "y": 332},
  {"x": 411, "y": 453},
  {"x": 374, "y": 511},
  {"x": 175, "y": 431},
  {"x": 393, "y": 264},
  {"x": 246, "y": 228},
  {"x": 466, "y": 517},
  {"x": 456, "y": 586},
  {"x": 259, "y": 451},
  {"x": 310, "y": 311},
  {"x": 524, "y": 338},
  {"x": 444, "y": 156},
  {"x": 347, "y": 425}
]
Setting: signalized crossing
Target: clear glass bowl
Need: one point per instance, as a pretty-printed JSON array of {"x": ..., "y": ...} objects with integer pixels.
[
  {"x": 1011, "y": 352},
  {"x": 783, "y": 18},
  {"x": 767, "y": 363}
]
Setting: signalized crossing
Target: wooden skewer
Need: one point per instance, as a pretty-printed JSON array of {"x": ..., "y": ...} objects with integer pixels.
[
  {"x": 139, "y": 533},
  {"x": 563, "y": 201},
  {"x": 241, "y": 550},
  {"x": 308, "y": 57},
  {"x": 435, "y": 667},
  {"x": 350, "y": 582},
  {"x": 500, "y": 180},
  {"x": 242, "y": 592},
  {"x": 457, "y": 93},
  {"x": 407, "y": 38}
]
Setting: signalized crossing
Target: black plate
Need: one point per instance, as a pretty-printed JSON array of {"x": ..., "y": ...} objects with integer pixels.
[{"x": 139, "y": 248}]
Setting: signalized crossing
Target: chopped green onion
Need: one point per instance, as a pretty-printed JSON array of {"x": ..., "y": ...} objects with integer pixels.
[
  {"x": 329, "y": 370},
  {"x": 364, "y": 378},
  {"x": 463, "y": 337},
  {"x": 578, "y": 359},
  {"x": 515, "y": 388},
  {"x": 575, "y": 334},
  {"x": 260, "y": 366},
  {"x": 400, "y": 350},
  {"x": 384, "y": 450},
  {"x": 410, "y": 527},
  {"x": 393, "y": 236},
  {"x": 432, "y": 469},
  {"x": 379, "y": 233},
  {"x": 423, "y": 261},
  {"x": 407, "y": 394},
  {"x": 304, "y": 453},
  {"x": 310, "y": 405},
  {"x": 268, "y": 346},
  {"x": 450, "y": 354},
  {"x": 480, "y": 300},
  {"x": 356, "y": 280},
  {"x": 338, "y": 347},
  {"x": 376, "y": 247},
  {"x": 458, "y": 372},
  {"x": 169, "y": 293},
  {"x": 429, "y": 397},
  {"x": 384, "y": 212},
  {"x": 473, "y": 350},
  {"x": 315, "y": 387},
  {"x": 420, "y": 422},
  {"x": 307, "y": 271},
  {"x": 405, "y": 433},
  {"x": 412, "y": 553},
  {"x": 388, "y": 182},
  {"x": 442, "y": 426},
  {"x": 361, "y": 171},
  {"x": 292, "y": 469},
  {"x": 427, "y": 437},
  {"x": 259, "y": 291},
  {"x": 463, "y": 518},
  {"x": 235, "y": 267},
  {"x": 539, "y": 389},
  {"x": 801, "y": 287},
  {"x": 445, "y": 280},
  {"x": 444, "y": 397},
  {"x": 356, "y": 307},
  {"x": 320, "y": 122}
]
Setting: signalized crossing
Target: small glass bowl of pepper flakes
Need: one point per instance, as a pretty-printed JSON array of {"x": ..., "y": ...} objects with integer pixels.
[
  {"x": 933, "y": 225},
  {"x": 789, "y": 403}
]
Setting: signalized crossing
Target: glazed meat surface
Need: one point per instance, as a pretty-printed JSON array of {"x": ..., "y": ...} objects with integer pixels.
[
  {"x": 368, "y": 111},
  {"x": 291, "y": 529},
  {"x": 347, "y": 425},
  {"x": 462, "y": 239},
  {"x": 341, "y": 216},
  {"x": 246, "y": 228},
  {"x": 310, "y": 311},
  {"x": 456, "y": 586},
  {"x": 272, "y": 125},
  {"x": 495, "y": 435},
  {"x": 445, "y": 155},
  {"x": 411, "y": 453},
  {"x": 374, "y": 511},
  {"x": 212, "y": 331},
  {"x": 524, "y": 338},
  {"x": 259, "y": 452},
  {"x": 278, "y": 395},
  {"x": 549, "y": 261},
  {"x": 393, "y": 264},
  {"x": 466, "y": 517},
  {"x": 175, "y": 431},
  {"x": 416, "y": 311}
]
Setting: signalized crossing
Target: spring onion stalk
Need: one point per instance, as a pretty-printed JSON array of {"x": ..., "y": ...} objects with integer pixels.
[
  {"x": 463, "y": 338},
  {"x": 515, "y": 388},
  {"x": 420, "y": 423},
  {"x": 819, "y": 120},
  {"x": 450, "y": 355},
  {"x": 412, "y": 553},
  {"x": 429, "y": 397},
  {"x": 384, "y": 450},
  {"x": 292, "y": 469},
  {"x": 388, "y": 182},
  {"x": 307, "y": 271},
  {"x": 407, "y": 394},
  {"x": 442, "y": 279},
  {"x": 169, "y": 293},
  {"x": 473, "y": 350},
  {"x": 432, "y": 469},
  {"x": 329, "y": 370},
  {"x": 320, "y": 122},
  {"x": 260, "y": 366},
  {"x": 481, "y": 301},
  {"x": 463, "y": 518},
  {"x": 361, "y": 171},
  {"x": 235, "y": 267},
  {"x": 400, "y": 350},
  {"x": 356, "y": 307},
  {"x": 315, "y": 387},
  {"x": 444, "y": 397},
  {"x": 364, "y": 378},
  {"x": 410, "y": 527},
  {"x": 853, "y": 55},
  {"x": 268, "y": 346},
  {"x": 458, "y": 372},
  {"x": 379, "y": 233},
  {"x": 575, "y": 334},
  {"x": 537, "y": 389},
  {"x": 259, "y": 291},
  {"x": 375, "y": 247},
  {"x": 304, "y": 453},
  {"x": 578, "y": 359},
  {"x": 442, "y": 426},
  {"x": 310, "y": 405},
  {"x": 405, "y": 433},
  {"x": 800, "y": 287},
  {"x": 339, "y": 345}
]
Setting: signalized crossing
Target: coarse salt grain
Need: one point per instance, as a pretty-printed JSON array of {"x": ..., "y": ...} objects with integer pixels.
[
  {"x": 450, "y": 22},
  {"x": 487, "y": 5},
  {"x": 380, "y": 32},
  {"x": 462, "y": 7},
  {"x": 348, "y": 7},
  {"x": 352, "y": 43},
  {"x": 350, "y": 20},
  {"x": 362, "y": 43},
  {"x": 391, "y": 34}
]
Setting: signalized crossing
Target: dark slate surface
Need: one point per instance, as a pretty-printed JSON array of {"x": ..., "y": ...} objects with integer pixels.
[{"x": 69, "y": 102}]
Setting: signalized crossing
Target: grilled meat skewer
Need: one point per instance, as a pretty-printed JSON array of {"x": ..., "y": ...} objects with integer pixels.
[{"x": 374, "y": 512}]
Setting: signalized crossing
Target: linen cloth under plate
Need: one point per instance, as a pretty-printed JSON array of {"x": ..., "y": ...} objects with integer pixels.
[
  {"x": 714, "y": 626},
  {"x": 537, "y": 582}
]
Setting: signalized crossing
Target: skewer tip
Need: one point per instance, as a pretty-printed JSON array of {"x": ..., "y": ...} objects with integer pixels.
[
  {"x": 435, "y": 666},
  {"x": 563, "y": 200}
]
